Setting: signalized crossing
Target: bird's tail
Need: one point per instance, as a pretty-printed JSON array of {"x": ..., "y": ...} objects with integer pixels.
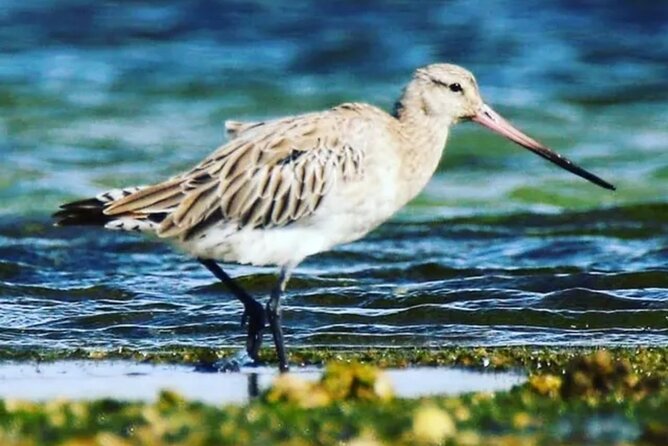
[{"x": 90, "y": 212}]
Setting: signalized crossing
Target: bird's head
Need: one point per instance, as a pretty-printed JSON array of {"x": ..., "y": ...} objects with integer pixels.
[
  {"x": 447, "y": 91},
  {"x": 449, "y": 94}
]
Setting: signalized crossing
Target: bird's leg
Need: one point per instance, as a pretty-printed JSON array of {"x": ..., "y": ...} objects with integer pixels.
[
  {"x": 253, "y": 311},
  {"x": 274, "y": 315}
]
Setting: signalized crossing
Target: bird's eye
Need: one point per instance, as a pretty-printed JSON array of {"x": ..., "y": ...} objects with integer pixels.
[{"x": 456, "y": 88}]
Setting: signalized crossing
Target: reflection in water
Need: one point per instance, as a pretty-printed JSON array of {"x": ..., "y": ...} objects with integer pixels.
[{"x": 253, "y": 385}]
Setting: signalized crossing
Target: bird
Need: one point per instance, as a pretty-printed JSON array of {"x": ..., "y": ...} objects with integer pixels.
[{"x": 281, "y": 190}]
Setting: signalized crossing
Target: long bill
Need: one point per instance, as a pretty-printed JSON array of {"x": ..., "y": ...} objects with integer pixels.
[{"x": 495, "y": 122}]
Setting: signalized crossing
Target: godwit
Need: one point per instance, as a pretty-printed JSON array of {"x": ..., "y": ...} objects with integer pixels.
[{"x": 282, "y": 190}]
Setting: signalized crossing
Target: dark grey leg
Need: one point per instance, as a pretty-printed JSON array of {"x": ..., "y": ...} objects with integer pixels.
[
  {"x": 274, "y": 315},
  {"x": 253, "y": 311}
]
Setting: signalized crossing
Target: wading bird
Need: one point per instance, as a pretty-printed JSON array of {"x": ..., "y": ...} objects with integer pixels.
[{"x": 284, "y": 189}]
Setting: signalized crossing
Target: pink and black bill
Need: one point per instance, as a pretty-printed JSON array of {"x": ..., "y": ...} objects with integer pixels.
[{"x": 495, "y": 122}]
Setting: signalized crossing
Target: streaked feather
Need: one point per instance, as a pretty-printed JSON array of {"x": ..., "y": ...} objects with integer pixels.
[{"x": 270, "y": 175}]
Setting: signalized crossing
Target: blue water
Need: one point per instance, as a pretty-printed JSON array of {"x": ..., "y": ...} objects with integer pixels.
[{"x": 500, "y": 249}]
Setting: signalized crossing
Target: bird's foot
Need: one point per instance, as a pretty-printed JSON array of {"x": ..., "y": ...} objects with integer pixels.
[
  {"x": 228, "y": 365},
  {"x": 255, "y": 319}
]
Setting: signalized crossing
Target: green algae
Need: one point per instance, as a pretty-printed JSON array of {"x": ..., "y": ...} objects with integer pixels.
[
  {"x": 573, "y": 396},
  {"x": 528, "y": 358}
]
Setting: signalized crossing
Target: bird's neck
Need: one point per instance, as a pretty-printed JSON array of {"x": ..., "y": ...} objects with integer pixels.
[{"x": 424, "y": 133}]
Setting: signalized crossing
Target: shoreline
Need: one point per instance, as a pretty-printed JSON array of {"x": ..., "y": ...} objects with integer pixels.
[{"x": 572, "y": 396}]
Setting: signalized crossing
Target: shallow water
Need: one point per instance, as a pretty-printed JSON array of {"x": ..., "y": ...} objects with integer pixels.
[
  {"x": 123, "y": 380},
  {"x": 501, "y": 248}
]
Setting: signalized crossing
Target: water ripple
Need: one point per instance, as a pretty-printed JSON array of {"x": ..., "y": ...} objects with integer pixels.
[
  {"x": 140, "y": 294},
  {"x": 501, "y": 248}
]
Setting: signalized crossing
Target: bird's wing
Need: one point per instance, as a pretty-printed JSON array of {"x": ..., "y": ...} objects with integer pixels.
[{"x": 266, "y": 178}]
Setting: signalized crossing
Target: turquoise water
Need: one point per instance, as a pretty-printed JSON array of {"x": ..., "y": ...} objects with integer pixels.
[{"x": 501, "y": 248}]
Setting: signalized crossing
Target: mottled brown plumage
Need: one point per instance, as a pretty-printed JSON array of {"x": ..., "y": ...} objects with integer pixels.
[{"x": 270, "y": 175}]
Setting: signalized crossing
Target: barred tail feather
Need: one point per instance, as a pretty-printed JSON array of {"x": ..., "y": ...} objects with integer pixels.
[
  {"x": 82, "y": 213},
  {"x": 90, "y": 212}
]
